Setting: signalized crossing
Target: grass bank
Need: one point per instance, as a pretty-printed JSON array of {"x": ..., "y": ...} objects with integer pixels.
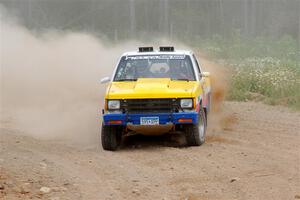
[{"x": 263, "y": 69}]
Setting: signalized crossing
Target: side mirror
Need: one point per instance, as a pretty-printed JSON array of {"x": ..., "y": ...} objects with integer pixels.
[
  {"x": 205, "y": 74},
  {"x": 105, "y": 80}
]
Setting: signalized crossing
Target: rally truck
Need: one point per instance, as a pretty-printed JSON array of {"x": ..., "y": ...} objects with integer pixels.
[{"x": 156, "y": 92}]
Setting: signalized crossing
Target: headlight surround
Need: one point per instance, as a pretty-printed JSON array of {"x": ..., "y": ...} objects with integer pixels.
[
  {"x": 113, "y": 104},
  {"x": 186, "y": 103}
]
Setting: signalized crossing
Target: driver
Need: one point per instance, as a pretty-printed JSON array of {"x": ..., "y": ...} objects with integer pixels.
[{"x": 160, "y": 70}]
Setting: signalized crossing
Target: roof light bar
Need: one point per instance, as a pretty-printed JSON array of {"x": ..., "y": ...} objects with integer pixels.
[
  {"x": 166, "y": 48},
  {"x": 145, "y": 49}
]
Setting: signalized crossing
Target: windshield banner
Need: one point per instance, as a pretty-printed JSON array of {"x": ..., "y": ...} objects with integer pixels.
[{"x": 156, "y": 57}]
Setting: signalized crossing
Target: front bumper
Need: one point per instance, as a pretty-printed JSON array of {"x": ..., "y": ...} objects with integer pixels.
[{"x": 164, "y": 118}]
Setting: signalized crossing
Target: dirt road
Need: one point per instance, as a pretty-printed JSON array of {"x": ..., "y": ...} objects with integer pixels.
[{"x": 254, "y": 154}]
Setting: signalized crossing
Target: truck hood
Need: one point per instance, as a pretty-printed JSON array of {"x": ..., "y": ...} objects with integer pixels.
[{"x": 152, "y": 88}]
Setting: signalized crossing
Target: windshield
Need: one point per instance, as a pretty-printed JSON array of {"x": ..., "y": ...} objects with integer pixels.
[{"x": 175, "y": 67}]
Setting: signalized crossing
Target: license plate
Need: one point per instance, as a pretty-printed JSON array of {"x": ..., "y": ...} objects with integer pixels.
[{"x": 149, "y": 120}]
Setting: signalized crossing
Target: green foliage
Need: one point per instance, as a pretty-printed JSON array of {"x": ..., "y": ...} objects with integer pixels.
[
  {"x": 263, "y": 69},
  {"x": 266, "y": 79},
  {"x": 238, "y": 47}
]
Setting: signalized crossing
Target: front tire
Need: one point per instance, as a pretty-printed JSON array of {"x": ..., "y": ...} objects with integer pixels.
[
  {"x": 111, "y": 137},
  {"x": 195, "y": 133}
]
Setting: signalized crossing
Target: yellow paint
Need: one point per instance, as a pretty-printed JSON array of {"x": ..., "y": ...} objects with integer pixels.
[{"x": 147, "y": 88}]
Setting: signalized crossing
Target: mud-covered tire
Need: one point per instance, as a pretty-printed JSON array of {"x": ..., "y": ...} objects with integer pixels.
[
  {"x": 195, "y": 133},
  {"x": 111, "y": 137}
]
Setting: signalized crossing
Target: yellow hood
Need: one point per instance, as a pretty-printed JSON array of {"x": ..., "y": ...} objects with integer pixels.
[{"x": 152, "y": 88}]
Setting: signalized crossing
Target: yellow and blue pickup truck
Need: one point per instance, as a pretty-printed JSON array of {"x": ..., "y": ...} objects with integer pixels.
[{"x": 156, "y": 92}]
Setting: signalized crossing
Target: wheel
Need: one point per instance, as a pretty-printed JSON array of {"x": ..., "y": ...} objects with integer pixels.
[
  {"x": 195, "y": 133},
  {"x": 111, "y": 137}
]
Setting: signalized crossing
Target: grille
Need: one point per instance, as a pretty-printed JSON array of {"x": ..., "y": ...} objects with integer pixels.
[{"x": 149, "y": 105}]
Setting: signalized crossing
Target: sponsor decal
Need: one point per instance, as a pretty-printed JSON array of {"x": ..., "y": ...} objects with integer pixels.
[
  {"x": 198, "y": 103},
  {"x": 198, "y": 99},
  {"x": 156, "y": 57}
]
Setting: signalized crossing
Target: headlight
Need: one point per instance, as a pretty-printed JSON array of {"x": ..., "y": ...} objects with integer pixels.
[
  {"x": 186, "y": 103},
  {"x": 113, "y": 104}
]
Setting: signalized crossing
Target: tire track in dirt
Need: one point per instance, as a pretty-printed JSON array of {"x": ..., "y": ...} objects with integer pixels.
[{"x": 256, "y": 158}]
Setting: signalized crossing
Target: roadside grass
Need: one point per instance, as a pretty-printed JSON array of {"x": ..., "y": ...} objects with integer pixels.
[
  {"x": 262, "y": 69},
  {"x": 267, "y": 80}
]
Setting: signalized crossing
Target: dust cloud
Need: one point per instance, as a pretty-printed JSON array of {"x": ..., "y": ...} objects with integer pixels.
[
  {"x": 220, "y": 78},
  {"x": 50, "y": 82}
]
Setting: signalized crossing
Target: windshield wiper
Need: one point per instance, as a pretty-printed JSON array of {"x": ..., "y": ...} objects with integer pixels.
[
  {"x": 127, "y": 79},
  {"x": 180, "y": 79}
]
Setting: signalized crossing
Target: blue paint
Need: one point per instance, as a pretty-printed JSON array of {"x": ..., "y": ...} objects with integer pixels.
[{"x": 164, "y": 118}]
